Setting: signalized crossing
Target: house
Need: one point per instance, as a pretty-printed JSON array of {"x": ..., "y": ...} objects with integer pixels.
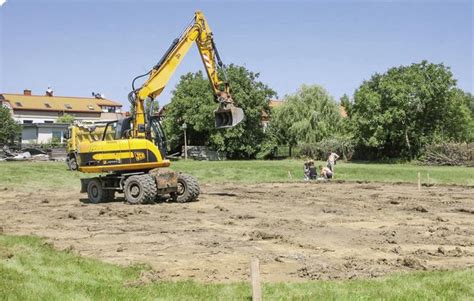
[
  {"x": 39, "y": 113},
  {"x": 272, "y": 103},
  {"x": 42, "y": 133}
]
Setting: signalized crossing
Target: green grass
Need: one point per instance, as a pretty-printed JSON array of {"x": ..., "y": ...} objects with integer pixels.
[
  {"x": 55, "y": 175},
  {"x": 37, "y": 175},
  {"x": 271, "y": 171},
  {"x": 30, "y": 269}
]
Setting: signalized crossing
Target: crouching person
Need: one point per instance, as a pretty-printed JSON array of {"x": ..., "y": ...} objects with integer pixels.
[
  {"x": 306, "y": 170},
  {"x": 326, "y": 173},
  {"x": 310, "y": 172}
]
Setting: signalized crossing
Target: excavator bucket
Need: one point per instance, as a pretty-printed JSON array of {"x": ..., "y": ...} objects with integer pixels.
[{"x": 228, "y": 116}]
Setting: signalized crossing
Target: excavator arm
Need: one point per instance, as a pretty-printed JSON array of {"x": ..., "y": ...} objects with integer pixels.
[{"x": 199, "y": 32}]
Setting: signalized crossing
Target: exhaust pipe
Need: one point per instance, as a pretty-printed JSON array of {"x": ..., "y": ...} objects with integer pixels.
[{"x": 228, "y": 115}]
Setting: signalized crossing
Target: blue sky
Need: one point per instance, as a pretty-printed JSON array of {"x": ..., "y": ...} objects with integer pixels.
[{"x": 82, "y": 46}]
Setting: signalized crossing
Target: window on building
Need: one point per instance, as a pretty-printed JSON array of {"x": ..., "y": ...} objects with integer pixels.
[
  {"x": 27, "y": 121},
  {"x": 57, "y": 136},
  {"x": 48, "y": 121},
  {"x": 47, "y": 105},
  {"x": 68, "y": 106},
  {"x": 18, "y": 104},
  {"x": 108, "y": 109}
]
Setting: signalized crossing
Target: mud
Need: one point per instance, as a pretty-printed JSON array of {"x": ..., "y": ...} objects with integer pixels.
[{"x": 299, "y": 231}]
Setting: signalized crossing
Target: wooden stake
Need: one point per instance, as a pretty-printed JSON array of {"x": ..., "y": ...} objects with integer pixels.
[
  {"x": 255, "y": 276},
  {"x": 289, "y": 175},
  {"x": 428, "y": 179},
  {"x": 419, "y": 181}
]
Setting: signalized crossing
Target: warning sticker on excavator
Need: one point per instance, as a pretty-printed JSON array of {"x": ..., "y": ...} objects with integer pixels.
[{"x": 139, "y": 156}]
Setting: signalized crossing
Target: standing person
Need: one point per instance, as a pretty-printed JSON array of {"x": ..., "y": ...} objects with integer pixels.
[{"x": 332, "y": 157}]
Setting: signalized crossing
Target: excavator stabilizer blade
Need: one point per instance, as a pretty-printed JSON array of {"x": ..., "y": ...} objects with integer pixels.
[{"x": 228, "y": 116}]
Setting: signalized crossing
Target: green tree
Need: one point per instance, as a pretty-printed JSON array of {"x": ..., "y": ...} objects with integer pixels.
[
  {"x": 308, "y": 116},
  {"x": 193, "y": 102},
  {"x": 9, "y": 128},
  {"x": 65, "y": 118},
  {"x": 396, "y": 113},
  {"x": 346, "y": 104},
  {"x": 156, "y": 106},
  {"x": 462, "y": 107}
]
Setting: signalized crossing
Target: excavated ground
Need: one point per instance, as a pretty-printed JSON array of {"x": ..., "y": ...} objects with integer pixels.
[{"x": 300, "y": 231}]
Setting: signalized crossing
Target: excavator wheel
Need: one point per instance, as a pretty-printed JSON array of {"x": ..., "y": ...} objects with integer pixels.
[
  {"x": 95, "y": 192},
  {"x": 72, "y": 163},
  {"x": 188, "y": 189},
  {"x": 140, "y": 189}
]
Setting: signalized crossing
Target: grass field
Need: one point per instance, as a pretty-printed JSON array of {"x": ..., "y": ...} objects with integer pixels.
[
  {"x": 269, "y": 171},
  {"x": 36, "y": 175},
  {"x": 33, "y": 270}
]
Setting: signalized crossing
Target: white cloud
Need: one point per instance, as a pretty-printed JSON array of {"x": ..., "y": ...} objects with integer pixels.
[{"x": 2, "y": 2}]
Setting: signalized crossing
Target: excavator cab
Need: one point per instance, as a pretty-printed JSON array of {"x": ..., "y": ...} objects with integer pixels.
[
  {"x": 158, "y": 135},
  {"x": 124, "y": 126}
]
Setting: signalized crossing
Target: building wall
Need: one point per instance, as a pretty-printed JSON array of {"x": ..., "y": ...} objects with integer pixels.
[
  {"x": 110, "y": 116},
  {"x": 45, "y": 135},
  {"x": 35, "y": 116},
  {"x": 44, "y": 116},
  {"x": 42, "y": 134}
]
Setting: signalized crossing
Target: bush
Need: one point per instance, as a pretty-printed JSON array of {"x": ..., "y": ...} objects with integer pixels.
[
  {"x": 453, "y": 154},
  {"x": 318, "y": 151},
  {"x": 10, "y": 130}
]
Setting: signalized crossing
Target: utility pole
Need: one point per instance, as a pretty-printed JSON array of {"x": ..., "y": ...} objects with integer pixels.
[{"x": 184, "y": 127}]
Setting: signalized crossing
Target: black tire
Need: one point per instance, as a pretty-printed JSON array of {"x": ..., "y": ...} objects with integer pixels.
[
  {"x": 72, "y": 163},
  {"x": 140, "y": 189},
  {"x": 95, "y": 192},
  {"x": 188, "y": 189}
]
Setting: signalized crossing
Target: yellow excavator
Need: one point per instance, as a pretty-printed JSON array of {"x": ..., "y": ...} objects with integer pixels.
[{"x": 135, "y": 161}]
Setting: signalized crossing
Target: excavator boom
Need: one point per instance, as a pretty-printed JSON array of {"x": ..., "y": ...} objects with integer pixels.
[{"x": 199, "y": 32}]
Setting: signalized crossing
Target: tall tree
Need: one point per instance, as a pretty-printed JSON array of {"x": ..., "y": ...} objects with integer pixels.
[
  {"x": 10, "y": 130},
  {"x": 345, "y": 102},
  {"x": 308, "y": 116},
  {"x": 396, "y": 113},
  {"x": 193, "y": 102}
]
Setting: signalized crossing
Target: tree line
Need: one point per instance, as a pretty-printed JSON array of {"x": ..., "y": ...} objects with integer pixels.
[{"x": 395, "y": 114}]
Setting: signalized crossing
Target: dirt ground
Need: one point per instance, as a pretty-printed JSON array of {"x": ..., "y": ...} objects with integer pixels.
[{"x": 299, "y": 231}]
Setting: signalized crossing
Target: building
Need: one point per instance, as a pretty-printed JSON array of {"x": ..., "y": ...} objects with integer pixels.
[
  {"x": 272, "y": 103},
  {"x": 39, "y": 113},
  {"x": 42, "y": 133}
]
